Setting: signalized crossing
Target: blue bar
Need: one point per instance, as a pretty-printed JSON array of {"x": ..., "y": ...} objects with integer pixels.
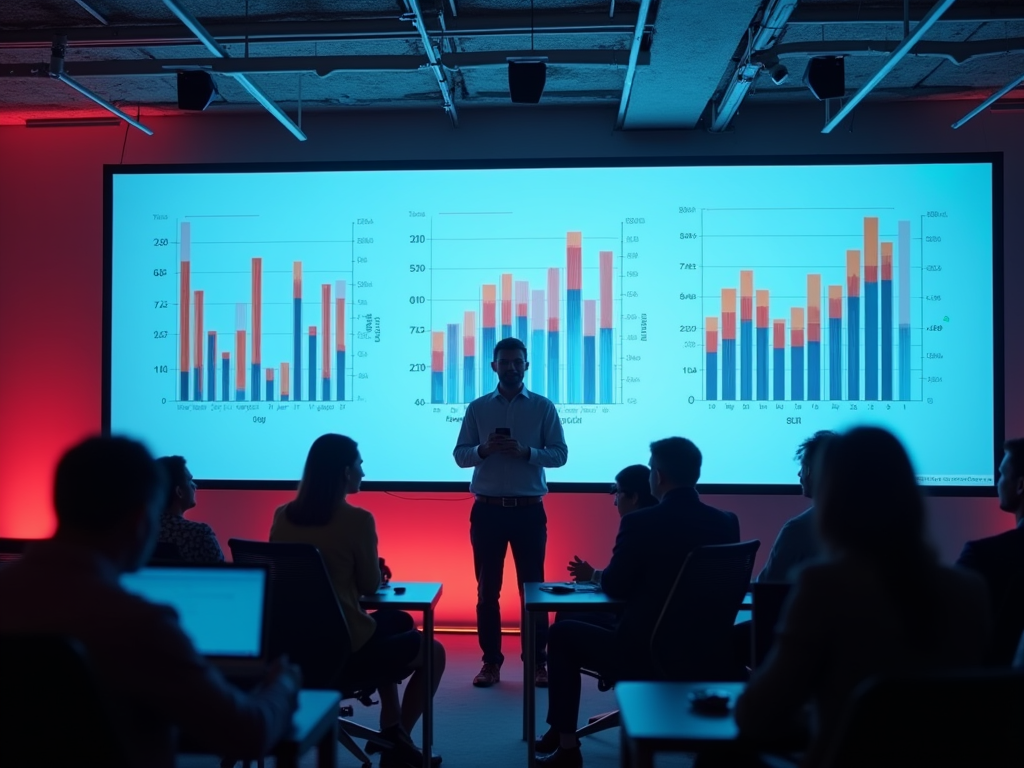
[
  {"x": 522, "y": 330},
  {"x": 325, "y": 389},
  {"x": 870, "y": 340},
  {"x": 814, "y": 370},
  {"x": 589, "y": 370},
  {"x": 746, "y": 359},
  {"x": 469, "y": 378},
  {"x": 853, "y": 347},
  {"x": 506, "y": 331},
  {"x": 312, "y": 367},
  {"x": 711, "y": 370},
  {"x": 574, "y": 342},
  {"x": 284, "y": 398},
  {"x": 728, "y": 369},
  {"x": 240, "y": 394},
  {"x": 254, "y": 381},
  {"x": 197, "y": 379},
  {"x": 297, "y": 352},
  {"x": 452, "y": 363},
  {"x": 552, "y": 364},
  {"x": 887, "y": 339},
  {"x": 537, "y": 362},
  {"x": 184, "y": 385},
  {"x": 211, "y": 369},
  {"x": 780, "y": 373},
  {"x": 607, "y": 366},
  {"x": 270, "y": 390},
  {"x": 762, "y": 363},
  {"x": 225, "y": 378},
  {"x": 488, "y": 378},
  {"x": 835, "y": 358},
  {"x": 797, "y": 389},
  {"x": 437, "y": 386},
  {"x": 904, "y": 362},
  {"x": 339, "y": 361}
]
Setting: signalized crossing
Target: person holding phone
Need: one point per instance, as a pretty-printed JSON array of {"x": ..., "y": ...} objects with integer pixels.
[{"x": 508, "y": 437}]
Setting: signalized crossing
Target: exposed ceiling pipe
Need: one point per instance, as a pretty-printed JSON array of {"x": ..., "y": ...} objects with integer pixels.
[
  {"x": 634, "y": 52},
  {"x": 988, "y": 102},
  {"x": 218, "y": 50},
  {"x": 92, "y": 12},
  {"x": 897, "y": 55},
  {"x": 440, "y": 74}
]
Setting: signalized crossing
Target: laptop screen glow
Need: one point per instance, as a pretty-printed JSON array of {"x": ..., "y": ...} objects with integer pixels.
[{"x": 220, "y": 608}]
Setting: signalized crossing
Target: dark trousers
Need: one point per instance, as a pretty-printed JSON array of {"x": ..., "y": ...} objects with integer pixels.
[
  {"x": 492, "y": 529},
  {"x": 572, "y": 646}
]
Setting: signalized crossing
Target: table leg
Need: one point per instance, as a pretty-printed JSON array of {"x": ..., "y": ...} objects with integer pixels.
[
  {"x": 428, "y": 674},
  {"x": 529, "y": 680},
  {"x": 326, "y": 750}
]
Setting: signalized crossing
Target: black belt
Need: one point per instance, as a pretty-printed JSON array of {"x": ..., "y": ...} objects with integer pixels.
[{"x": 510, "y": 501}]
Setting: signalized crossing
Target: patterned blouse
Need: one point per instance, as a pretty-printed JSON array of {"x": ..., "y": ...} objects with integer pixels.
[{"x": 195, "y": 541}]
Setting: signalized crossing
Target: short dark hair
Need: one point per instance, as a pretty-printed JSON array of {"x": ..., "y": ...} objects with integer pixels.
[
  {"x": 323, "y": 479},
  {"x": 509, "y": 343},
  {"x": 635, "y": 480},
  {"x": 677, "y": 459},
  {"x": 1015, "y": 449},
  {"x": 808, "y": 450},
  {"x": 131, "y": 479},
  {"x": 174, "y": 468}
]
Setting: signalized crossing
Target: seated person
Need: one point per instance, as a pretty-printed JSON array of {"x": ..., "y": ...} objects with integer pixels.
[
  {"x": 195, "y": 541},
  {"x": 1000, "y": 559},
  {"x": 386, "y": 645},
  {"x": 650, "y": 550},
  {"x": 880, "y": 603},
  {"x": 797, "y": 541},
  {"x": 145, "y": 665}
]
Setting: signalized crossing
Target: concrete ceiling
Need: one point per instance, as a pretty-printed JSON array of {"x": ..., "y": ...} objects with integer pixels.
[{"x": 358, "y": 53}]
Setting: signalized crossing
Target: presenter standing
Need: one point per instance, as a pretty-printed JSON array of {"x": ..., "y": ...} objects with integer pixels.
[{"x": 508, "y": 436}]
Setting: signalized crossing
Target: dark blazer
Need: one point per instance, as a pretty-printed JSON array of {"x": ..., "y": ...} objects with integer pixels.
[
  {"x": 1000, "y": 559},
  {"x": 650, "y": 550}
]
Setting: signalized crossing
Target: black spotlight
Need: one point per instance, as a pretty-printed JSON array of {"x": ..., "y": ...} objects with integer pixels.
[
  {"x": 826, "y": 77},
  {"x": 196, "y": 90},
  {"x": 526, "y": 80}
]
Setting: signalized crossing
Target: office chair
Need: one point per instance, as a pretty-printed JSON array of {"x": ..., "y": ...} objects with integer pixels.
[
  {"x": 941, "y": 720},
  {"x": 53, "y": 711},
  {"x": 12, "y": 549},
  {"x": 307, "y": 624}
]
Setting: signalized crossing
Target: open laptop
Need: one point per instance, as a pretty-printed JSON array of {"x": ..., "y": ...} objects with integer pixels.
[{"x": 222, "y": 608}]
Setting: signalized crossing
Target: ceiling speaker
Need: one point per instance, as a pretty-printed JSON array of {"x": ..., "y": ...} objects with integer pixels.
[
  {"x": 196, "y": 90},
  {"x": 526, "y": 81},
  {"x": 826, "y": 77}
]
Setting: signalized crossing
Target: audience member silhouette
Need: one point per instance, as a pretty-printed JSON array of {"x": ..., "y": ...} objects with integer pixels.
[
  {"x": 797, "y": 542},
  {"x": 650, "y": 550},
  {"x": 880, "y": 603},
  {"x": 386, "y": 644},
  {"x": 196, "y": 542},
  {"x": 146, "y": 665},
  {"x": 1000, "y": 559}
]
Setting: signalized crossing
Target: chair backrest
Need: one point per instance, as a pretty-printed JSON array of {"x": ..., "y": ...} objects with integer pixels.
[
  {"x": 306, "y": 621},
  {"x": 53, "y": 712},
  {"x": 12, "y": 549},
  {"x": 768, "y": 599},
  {"x": 939, "y": 720},
  {"x": 693, "y": 639}
]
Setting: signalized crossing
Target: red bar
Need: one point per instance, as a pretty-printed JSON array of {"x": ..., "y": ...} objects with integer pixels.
[
  {"x": 240, "y": 371},
  {"x": 779, "y": 334},
  {"x": 554, "y": 296},
  {"x": 469, "y": 334},
  {"x": 285, "y": 380},
  {"x": 871, "y": 249},
  {"x": 296, "y": 279},
  {"x": 796, "y": 327},
  {"x": 605, "y": 272},
  {"x": 762, "y": 309},
  {"x": 886, "y": 261},
  {"x": 339, "y": 316},
  {"x": 184, "y": 298},
  {"x": 814, "y": 308},
  {"x": 270, "y": 374},
  {"x": 589, "y": 317},
  {"x": 853, "y": 273},
  {"x": 746, "y": 294},
  {"x": 711, "y": 335},
  {"x": 728, "y": 314},
  {"x": 506, "y": 299},
  {"x": 199, "y": 337},
  {"x": 437, "y": 351},
  {"x": 835, "y": 302},
  {"x": 522, "y": 297},
  {"x": 489, "y": 302},
  {"x": 574, "y": 260},
  {"x": 257, "y": 310},
  {"x": 325, "y": 323}
]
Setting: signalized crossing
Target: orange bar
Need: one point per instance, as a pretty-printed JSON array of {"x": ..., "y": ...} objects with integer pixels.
[
  {"x": 779, "y": 328},
  {"x": 814, "y": 308},
  {"x": 183, "y": 313},
  {"x": 762, "y": 309},
  {"x": 325, "y": 322},
  {"x": 257, "y": 310},
  {"x": 270, "y": 374},
  {"x": 506, "y": 299},
  {"x": 728, "y": 314},
  {"x": 296, "y": 279},
  {"x": 871, "y": 249},
  {"x": 746, "y": 294},
  {"x": 490, "y": 298},
  {"x": 796, "y": 326},
  {"x": 240, "y": 361},
  {"x": 886, "y": 261},
  {"x": 711, "y": 335},
  {"x": 199, "y": 336},
  {"x": 437, "y": 351},
  {"x": 853, "y": 273},
  {"x": 835, "y": 302},
  {"x": 285, "y": 379},
  {"x": 339, "y": 316}
]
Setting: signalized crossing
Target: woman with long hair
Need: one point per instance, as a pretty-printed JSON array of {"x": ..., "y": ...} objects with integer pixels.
[
  {"x": 880, "y": 602},
  {"x": 386, "y": 645}
]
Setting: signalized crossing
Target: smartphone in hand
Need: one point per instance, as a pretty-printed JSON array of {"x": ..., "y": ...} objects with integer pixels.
[{"x": 504, "y": 431}]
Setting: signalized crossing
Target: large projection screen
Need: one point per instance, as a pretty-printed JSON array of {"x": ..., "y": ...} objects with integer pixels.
[{"x": 249, "y": 309}]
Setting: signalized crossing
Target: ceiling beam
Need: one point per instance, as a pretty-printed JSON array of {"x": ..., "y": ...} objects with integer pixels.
[
  {"x": 988, "y": 102},
  {"x": 439, "y": 71},
  {"x": 634, "y": 53},
  {"x": 955, "y": 52},
  {"x": 849, "y": 13}
]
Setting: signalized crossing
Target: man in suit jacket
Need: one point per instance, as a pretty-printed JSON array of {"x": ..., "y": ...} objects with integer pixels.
[
  {"x": 1000, "y": 559},
  {"x": 650, "y": 550}
]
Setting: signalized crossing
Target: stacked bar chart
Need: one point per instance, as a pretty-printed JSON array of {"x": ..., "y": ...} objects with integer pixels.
[
  {"x": 781, "y": 354},
  {"x": 574, "y": 366}
]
